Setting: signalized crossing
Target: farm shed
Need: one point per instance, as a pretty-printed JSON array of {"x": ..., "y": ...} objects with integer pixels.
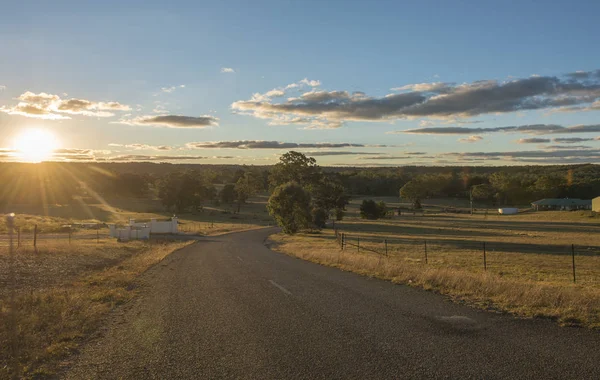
[
  {"x": 596, "y": 204},
  {"x": 562, "y": 204}
]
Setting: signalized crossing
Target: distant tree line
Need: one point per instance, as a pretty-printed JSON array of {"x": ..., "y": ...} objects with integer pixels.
[{"x": 187, "y": 187}]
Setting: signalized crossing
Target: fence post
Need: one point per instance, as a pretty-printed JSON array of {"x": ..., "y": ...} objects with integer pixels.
[
  {"x": 484, "y": 258},
  {"x": 35, "y": 237},
  {"x": 97, "y": 236},
  {"x": 386, "y": 251},
  {"x": 19, "y": 237},
  {"x": 343, "y": 240},
  {"x": 69, "y": 235},
  {"x": 358, "y": 244},
  {"x": 425, "y": 251},
  {"x": 573, "y": 256}
]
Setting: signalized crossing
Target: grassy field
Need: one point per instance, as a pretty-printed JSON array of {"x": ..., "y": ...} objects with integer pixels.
[
  {"x": 212, "y": 220},
  {"x": 62, "y": 293},
  {"x": 528, "y": 257}
]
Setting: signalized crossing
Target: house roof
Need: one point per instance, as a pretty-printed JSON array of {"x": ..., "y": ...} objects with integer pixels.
[{"x": 562, "y": 202}]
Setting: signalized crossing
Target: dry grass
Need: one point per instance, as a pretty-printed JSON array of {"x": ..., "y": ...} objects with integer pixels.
[
  {"x": 64, "y": 291},
  {"x": 515, "y": 288}
]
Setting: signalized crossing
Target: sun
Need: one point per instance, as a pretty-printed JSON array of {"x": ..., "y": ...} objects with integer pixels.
[{"x": 35, "y": 145}]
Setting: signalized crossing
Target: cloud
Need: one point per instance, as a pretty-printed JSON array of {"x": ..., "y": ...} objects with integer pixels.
[
  {"x": 172, "y": 121},
  {"x": 590, "y": 154},
  {"x": 2, "y": 88},
  {"x": 533, "y": 129},
  {"x": 52, "y": 107},
  {"x": 432, "y": 100},
  {"x": 471, "y": 139},
  {"x": 553, "y": 147},
  {"x": 386, "y": 158},
  {"x": 137, "y": 146},
  {"x": 258, "y": 144},
  {"x": 339, "y": 153},
  {"x": 574, "y": 140},
  {"x": 227, "y": 70},
  {"x": 438, "y": 87},
  {"x": 312, "y": 83},
  {"x": 139, "y": 157},
  {"x": 533, "y": 140},
  {"x": 171, "y": 89}
]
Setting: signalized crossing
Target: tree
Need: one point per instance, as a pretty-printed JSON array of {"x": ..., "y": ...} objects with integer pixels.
[
  {"x": 246, "y": 186},
  {"x": 184, "y": 190},
  {"x": 414, "y": 191},
  {"x": 290, "y": 206},
  {"x": 328, "y": 195},
  {"x": 295, "y": 166},
  {"x": 369, "y": 209},
  {"x": 319, "y": 217},
  {"x": 483, "y": 192},
  {"x": 228, "y": 194}
]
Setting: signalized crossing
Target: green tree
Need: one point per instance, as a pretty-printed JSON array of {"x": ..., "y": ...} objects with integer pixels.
[
  {"x": 414, "y": 191},
  {"x": 246, "y": 186},
  {"x": 483, "y": 192},
  {"x": 369, "y": 209},
  {"x": 295, "y": 166},
  {"x": 228, "y": 194},
  {"x": 184, "y": 190},
  {"x": 289, "y": 205},
  {"x": 328, "y": 195},
  {"x": 319, "y": 217}
]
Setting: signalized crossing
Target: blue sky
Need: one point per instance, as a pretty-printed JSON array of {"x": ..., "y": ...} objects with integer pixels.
[{"x": 143, "y": 65}]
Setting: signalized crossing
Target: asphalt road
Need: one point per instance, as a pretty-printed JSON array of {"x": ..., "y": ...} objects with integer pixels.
[{"x": 228, "y": 307}]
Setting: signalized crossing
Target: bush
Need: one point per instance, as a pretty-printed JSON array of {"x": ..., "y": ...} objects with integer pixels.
[
  {"x": 319, "y": 217},
  {"x": 289, "y": 205},
  {"x": 369, "y": 209}
]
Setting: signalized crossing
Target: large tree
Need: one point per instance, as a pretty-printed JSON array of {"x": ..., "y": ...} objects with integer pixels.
[
  {"x": 290, "y": 206},
  {"x": 185, "y": 190},
  {"x": 246, "y": 186},
  {"x": 295, "y": 166},
  {"x": 414, "y": 191}
]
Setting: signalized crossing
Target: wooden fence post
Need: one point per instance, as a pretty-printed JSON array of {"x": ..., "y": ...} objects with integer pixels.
[
  {"x": 35, "y": 237},
  {"x": 425, "y": 251},
  {"x": 386, "y": 251},
  {"x": 97, "y": 236},
  {"x": 358, "y": 244},
  {"x": 343, "y": 240},
  {"x": 69, "y": 235},
  {"x": 19, "y": 237},
  {"x": 573, "y": 256},
  {"x": 484, "y": 258}
]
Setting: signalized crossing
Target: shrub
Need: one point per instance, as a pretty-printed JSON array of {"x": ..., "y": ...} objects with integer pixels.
[
  {"x": 290, "y": 207},
  {"x": 369, "y": 209}
]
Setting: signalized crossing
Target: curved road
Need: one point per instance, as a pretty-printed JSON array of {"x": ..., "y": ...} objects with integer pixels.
[{"x": 228, "y": 307}]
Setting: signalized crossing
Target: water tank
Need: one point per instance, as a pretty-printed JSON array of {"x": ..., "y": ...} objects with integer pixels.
[{"x": 508, "y": 210}]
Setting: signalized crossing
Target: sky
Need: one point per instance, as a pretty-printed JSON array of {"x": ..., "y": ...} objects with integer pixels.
[{"x": 354, "y": 83}]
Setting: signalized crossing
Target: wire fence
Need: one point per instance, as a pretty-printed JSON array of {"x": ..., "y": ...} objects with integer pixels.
[
  {"x": 539, "y": 262},
  {"x": 36, "y": 238}
]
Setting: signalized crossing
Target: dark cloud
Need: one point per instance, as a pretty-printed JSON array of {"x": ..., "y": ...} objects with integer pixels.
[
  {"x": 532, "y": 129},
  {"x": 173, "y": 121},
  {"x": 440, "y": 100},
  {"x": 553, "y": 147},
  {"x": 573, "y": 140},
  {"x": 591, "y": 154},
  {"x": 258, "y": 144},
  {"x": 534, "y": 140},
  {"x": 339, "y": 153}
]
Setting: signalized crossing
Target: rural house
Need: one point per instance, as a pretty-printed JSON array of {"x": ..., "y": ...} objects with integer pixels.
[{"x": 564, "y": 204}]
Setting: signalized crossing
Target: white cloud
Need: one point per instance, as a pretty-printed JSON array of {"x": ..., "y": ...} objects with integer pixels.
[
  {"x": 171, "y": 89},
  {"x": 52, "y": 107},
  {"x": 471, "y": 139},
  {"x": 227, "y": 70}
]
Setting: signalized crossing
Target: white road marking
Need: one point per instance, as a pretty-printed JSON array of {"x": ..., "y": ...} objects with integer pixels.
[{"x": 280, "y": 287}]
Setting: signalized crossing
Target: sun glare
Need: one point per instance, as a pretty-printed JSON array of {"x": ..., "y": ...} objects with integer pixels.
[{"x": 35, "y": 145}]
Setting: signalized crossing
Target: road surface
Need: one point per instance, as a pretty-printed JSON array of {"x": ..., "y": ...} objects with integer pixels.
[{"x": 228, "y": 307}]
